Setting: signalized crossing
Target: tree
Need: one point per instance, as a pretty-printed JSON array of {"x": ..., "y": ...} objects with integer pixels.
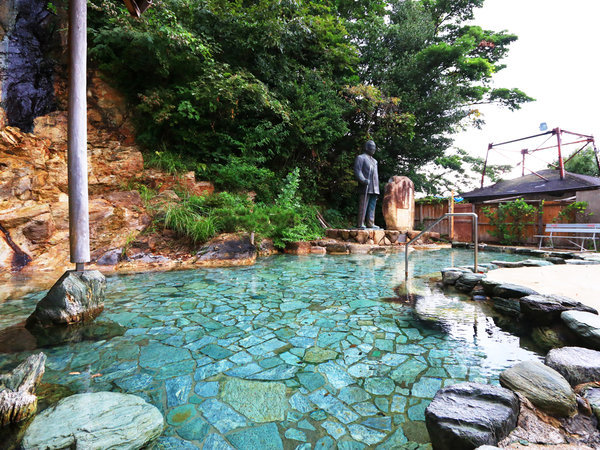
[
  {"x": 303, "y": 83},
  {"x": 584, "y": 163},
  {"x": 420, "y": 52}
]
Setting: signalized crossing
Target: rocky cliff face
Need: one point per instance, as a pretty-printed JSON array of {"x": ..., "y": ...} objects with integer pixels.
[
  {"x": 34, "y": 224},
  {"x": 27, "y": 34},
  {"x": 33, "y": 185}
]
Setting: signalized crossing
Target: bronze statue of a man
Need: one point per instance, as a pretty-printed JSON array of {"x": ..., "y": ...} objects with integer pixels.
[{"x": 365, "y": 172}]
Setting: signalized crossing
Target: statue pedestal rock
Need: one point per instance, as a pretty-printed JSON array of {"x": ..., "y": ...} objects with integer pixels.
[{"x": 399, "y": 204}]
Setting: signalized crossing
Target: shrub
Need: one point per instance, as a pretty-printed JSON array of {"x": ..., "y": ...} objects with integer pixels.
[
  {"x": 510, "y": 219},
  {"x": 288, "y": 220},
  {"x": 239, "y": 175},
  {"x": 573, "y": 212},
  {"x": 167, "y": 161}
]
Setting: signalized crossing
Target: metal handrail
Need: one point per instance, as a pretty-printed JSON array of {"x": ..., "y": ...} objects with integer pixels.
[{"x": 475, "y": 229}]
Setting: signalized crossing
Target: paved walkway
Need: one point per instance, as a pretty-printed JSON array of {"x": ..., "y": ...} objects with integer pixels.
[{"x": 581, "y": 283}]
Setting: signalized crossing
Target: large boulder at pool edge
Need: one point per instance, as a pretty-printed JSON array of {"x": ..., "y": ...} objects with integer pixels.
[
  {"x": 95, "y": 420},
  {"x": 467, "y": 415},
  {"x": 541, "y": 385},
  {"x": 578, "y": 365}
]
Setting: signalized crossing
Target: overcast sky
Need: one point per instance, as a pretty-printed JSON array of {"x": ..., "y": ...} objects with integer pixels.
[{"x": 554, "y": 61}]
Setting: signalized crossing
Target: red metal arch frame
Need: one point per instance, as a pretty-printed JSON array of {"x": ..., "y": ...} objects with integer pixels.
[{"x": 571, "y": 139}]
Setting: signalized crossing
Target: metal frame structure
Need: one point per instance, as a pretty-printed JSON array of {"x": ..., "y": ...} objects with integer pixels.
[
  {"x": 560, "y": 143},
  {"x": 433, "y": 224}
]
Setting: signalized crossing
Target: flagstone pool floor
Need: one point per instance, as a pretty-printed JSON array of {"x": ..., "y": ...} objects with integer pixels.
[{"x": 291, "y": 353}]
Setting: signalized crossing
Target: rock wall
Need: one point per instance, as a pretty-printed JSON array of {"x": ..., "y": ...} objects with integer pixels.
[
  {"x": 34, "y": 223},
  {"x": 27, "y": 34}
]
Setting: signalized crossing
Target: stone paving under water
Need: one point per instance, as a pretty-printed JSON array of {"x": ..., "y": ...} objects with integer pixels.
[{"x": 292, "y": 353}]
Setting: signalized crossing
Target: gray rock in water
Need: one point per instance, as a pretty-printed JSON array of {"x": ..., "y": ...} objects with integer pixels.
[
  {"x": 543, "y": 386},
  {"x": 468, "y": 281},
  {"x": 578, "y": 365},
  {"x": 228, "y": 247},
  {"x": 75, "y": 297},
  {"x": 101, "y": 420},
  {"x": 508, "y": 290},
  {"x": 508, "y": 306},
  {"x": 488, "y": 286},
  {"x": 555, "y": 260},
  {"x": 544, "y": 309},
  {"x": 585, "y": 325},
  {"x": 17, "y": 389},
  {"x": 450, "y": 275},
  {"x": 467, "y": 415}
]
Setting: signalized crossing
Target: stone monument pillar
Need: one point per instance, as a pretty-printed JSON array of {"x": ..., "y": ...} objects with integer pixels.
[{"x": 399, "y": 204}]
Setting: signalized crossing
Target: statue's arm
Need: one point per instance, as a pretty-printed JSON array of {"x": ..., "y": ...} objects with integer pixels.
[{"x": 358, "y": 164}]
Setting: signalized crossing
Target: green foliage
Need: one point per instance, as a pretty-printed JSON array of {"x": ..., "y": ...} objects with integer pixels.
[
  {"x": 302, "y": 84},
  {"x": 574, "y": 212},
  {"x": 431, "y": 200},
  {"x": 288, "y": 220},
  {"x": 169, "y": 162},
  {"x": 510, "y": 219},
  {"x": 239, "y": 175},
  {"x": 336, "y": 219},
  {"x": 584, "y": 163},
  {"x": 422, "y": 53}
]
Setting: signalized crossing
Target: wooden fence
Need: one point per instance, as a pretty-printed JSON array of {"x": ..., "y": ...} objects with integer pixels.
[{"x": 426, "y": 214}]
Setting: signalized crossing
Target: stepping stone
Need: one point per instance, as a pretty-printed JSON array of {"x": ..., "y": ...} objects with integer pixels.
[
  {"x": 327, "y": 402},
  {"x": 585, "y": 325},
  {"x": 264, "y": 437},
  {"x": 221, "y": 416},
  {"x": 95, "y": 420},
  {"x": 379, "y": 385},
  {"x": 543, "y": 386},
  {"x": 544, "y": 309},
  {"x": 366, "y": 435},
  {"x": 467, "y": 415},
  {"x": 258, "y": 401},
  {"x": 578, "y": 365},
  {"x": 315, "y": 355}
]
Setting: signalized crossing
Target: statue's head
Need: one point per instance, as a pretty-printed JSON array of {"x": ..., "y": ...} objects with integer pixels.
[{"x": 370, "y": 147}]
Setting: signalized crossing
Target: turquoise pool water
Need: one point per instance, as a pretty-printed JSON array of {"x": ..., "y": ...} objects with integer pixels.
[{"x": 356, "y": 368}]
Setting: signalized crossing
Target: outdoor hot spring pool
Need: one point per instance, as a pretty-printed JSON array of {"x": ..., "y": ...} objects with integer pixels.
[{"x": 352, "y": 364}]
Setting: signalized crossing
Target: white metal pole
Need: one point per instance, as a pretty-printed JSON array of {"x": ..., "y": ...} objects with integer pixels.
[{"x": 79, "y": 229}]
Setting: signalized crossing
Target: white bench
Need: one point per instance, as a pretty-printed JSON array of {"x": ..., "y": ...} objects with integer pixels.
[{"x": 569, "y": 231}]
